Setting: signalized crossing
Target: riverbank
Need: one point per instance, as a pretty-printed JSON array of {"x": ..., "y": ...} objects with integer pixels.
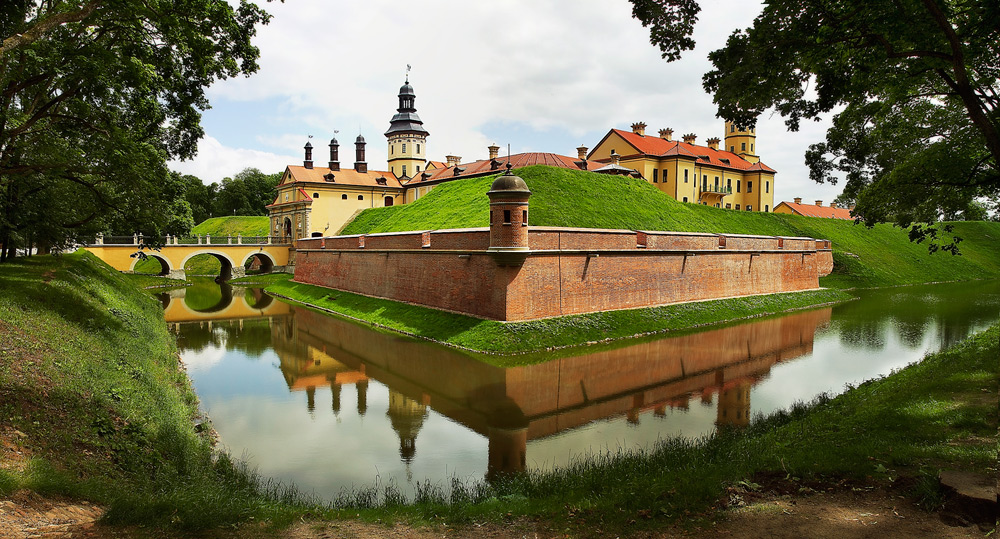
[
  {"x": 95, "y": 405},
  {"x": 99, "y": 410},
  {"x": 497, "y": 341}
]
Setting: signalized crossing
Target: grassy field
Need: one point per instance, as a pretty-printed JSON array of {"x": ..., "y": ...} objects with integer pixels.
[
  {"x": 90, "y": 378},
  {"x": 253, "y": 225},
  {"x": 496, "y": 337},
  {"x": 863, "y": 257}
]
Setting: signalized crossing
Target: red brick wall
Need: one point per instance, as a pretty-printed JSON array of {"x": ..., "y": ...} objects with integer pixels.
[{"x": 554, "y": 282}]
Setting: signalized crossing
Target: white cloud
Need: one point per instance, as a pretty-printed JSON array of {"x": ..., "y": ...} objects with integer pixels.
[
  {"x": 483, "y": 72},
  {"x": 216, "y": 161}
]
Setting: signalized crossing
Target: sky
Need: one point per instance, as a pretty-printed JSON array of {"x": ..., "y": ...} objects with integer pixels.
[{"x": 543, "y": 76}]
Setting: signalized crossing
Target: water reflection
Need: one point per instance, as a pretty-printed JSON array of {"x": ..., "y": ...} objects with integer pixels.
[
  {"x": 404, "y": 409},
  {"x": 512, "y": 406}
]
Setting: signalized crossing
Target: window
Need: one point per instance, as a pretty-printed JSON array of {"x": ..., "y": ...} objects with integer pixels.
[
  {"x": 524, "y": 217},
  {"x": 343, "y": 197},
  {"x": 361, "y": 197},
  {"x": 685, "y": 198},
  {"x": 716, "y": 184},
  {"x": 749, "y": 207},
  {"x": 749, "y": 186},
  {"x": 418, "y": 151},
  {"x": 732, "y": 149},
  {"x": 743, "y": 146},
  {"x": 685, "y": 176},
  {"x": 315, "y": 195},
  {"x": 387, "y": 201},
  {"x": 767, "y": 187},
  {"x": 729, "y": 206},
  {"x": 656, "y": 174},
  {"x": 765, "y": 208},
  {"x": 704, "y": 182},
  {"x": 716, "y": 204},
  {"x": 418, "y": 168},
  {"x": 506, "y": 217},
  {"x": 738, "y": 187},
  {"x": 404, "y": 170},
  {"x": 732, "y": 128},
  {"x": 392, "y": 150},
  {"x": 404, "y": 148},
  {"x": 737, "y": 206},
  {"x": 664, "y": 176},
  {"x": 729, "y": 185},
  {"x": 751, "y": 148}
]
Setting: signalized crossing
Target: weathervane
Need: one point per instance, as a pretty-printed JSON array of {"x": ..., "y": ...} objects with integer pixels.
[{"x": 408, "y": 73}]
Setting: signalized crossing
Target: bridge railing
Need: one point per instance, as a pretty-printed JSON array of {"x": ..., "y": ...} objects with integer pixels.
[{"x": 197, "y": 239}]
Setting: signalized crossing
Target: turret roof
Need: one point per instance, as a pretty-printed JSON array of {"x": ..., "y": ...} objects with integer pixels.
[{"x": 659, "y": 147}]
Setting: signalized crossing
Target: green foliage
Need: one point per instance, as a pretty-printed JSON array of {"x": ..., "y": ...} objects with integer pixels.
[
  {"x": 537, "y": 335},
  {"x": 246, "y": 193},
  {"x": 881, "y": 255},
  {"x": 915, "y": 83},
  {"x": 98, "y": 96}
]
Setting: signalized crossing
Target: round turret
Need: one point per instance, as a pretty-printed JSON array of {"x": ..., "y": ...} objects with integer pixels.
[{"x": 509, "y": 219}]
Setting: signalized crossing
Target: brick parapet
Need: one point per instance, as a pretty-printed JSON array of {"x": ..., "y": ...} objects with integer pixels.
[{"x": 567, "y": 271}]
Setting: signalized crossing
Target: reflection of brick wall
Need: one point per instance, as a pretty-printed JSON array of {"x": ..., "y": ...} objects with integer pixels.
[{"x": 568, "y": 271}]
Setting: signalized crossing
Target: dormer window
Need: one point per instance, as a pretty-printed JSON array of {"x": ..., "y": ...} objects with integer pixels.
[
  {"x": 725, "y": 160},
  {"x": 380, "y": 180},
  {"x": 328, "y": 177}
]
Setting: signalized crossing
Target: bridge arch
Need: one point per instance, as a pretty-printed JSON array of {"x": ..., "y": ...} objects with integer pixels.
[
  {"x": 165, "y": 268},
  {"x": 267, "y": 262},
  {"x": 228, "y": 267}
]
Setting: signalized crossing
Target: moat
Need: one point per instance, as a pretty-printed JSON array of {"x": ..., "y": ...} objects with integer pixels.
[{"x": 328, "y": 404}]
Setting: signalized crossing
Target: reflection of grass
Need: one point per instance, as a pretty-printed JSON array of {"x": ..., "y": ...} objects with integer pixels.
[
  {"x": 519, "y": 337},
  {"x": 203, "y": 265},
  {"x": 263, "y": 279},
  {"x": 203, "y": 294}
]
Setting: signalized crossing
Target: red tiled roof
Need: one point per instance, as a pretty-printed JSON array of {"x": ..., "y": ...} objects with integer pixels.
[
  {"x": 810, "y": 210},
  {"x": 658, "y": 147},
  {"x": 481, "y": 167},
  {"x": 347, "y": 176},
  {"x": 436, "y": 164}
]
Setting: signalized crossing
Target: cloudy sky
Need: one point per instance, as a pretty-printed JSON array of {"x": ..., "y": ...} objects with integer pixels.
[{"x": 540, "y": 75}]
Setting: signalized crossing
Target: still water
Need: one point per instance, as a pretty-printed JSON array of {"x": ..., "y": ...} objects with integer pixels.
[{"x": 329, "y": 404}]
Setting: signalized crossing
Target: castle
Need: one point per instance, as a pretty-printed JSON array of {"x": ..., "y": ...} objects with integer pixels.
[{"x": 315, "y": 201}]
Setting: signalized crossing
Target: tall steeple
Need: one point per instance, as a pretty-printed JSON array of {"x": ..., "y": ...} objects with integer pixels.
[{"x": 406, "y": 135}]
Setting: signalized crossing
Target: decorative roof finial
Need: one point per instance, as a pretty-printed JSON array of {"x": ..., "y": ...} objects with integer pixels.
[{"x": 408, "y": 73}]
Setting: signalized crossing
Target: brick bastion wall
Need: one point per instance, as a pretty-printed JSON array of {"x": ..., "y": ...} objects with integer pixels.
[{"x": 565, "y": 271}]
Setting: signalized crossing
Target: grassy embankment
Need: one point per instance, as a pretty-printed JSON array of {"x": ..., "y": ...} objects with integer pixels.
[
  {"x": 217, "y": 227},
  {"x": 495, "y": 337},
  {"x": 863, "y": 257},
  {"x": 92, "y": 393}
]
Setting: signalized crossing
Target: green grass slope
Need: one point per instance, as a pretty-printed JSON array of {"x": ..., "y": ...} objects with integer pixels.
[
  {"x": 91, "y": 381},
  {"x": 252, "y": 225},
  {"x": 879, "y": 256}
]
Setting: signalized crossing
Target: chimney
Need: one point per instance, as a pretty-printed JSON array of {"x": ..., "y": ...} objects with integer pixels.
[
  {"x": 690, "y": 138},
  {"x": 713, "y": 143},
  {"x": 615, "y": 157},
  {"x": 833, "y": 205},
  {"x": 334, "y": 154},
  {"x": 667, "y": 134},
  {"x": 494, "y": 151},
  {"x": 453, "y": 160},
  {"x": 819, "y": 202},
  {"x": 798, "y": 200},
  {"x": 359, "y": 155},
  {"x": 581, "y": 153},
  {"x": 639, "y": 128},
  {"x": 308, "y": 162}
]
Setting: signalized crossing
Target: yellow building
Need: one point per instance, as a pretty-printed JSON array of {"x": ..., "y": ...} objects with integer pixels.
[{"x": 730, "y": 177}]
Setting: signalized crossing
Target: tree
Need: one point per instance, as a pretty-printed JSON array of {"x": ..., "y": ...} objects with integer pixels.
[
  {"x": 915, "y": 85},
  {"x": 95, "y": 97},
  {"x": 246, "y": 193},
  {"x": 200, "y": 197}
]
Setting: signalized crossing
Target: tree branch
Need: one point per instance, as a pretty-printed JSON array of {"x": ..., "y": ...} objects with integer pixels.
[{"x": 39, "y": 28}]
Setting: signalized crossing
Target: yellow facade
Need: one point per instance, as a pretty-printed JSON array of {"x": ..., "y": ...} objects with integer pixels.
[{"x": 708, "y": 175}]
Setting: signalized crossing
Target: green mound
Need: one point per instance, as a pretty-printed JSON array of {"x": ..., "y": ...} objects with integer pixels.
[
  {"x": 878, "y": 256},
  {"x": 247, "y": 225}
]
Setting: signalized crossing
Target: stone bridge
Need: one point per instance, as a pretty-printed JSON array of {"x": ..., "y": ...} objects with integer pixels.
[{"x": 234, "y": 253}]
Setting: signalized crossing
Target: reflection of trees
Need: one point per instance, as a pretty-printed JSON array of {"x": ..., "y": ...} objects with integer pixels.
[
  {"x": 952, "y": 308},
  {"x": 252, "y": 337}
]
